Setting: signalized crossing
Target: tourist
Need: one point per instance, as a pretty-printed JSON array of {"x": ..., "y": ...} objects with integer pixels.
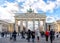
[
  {"x": 47, "y": 35},
  {"x": 33, "y": 36},
  {"x": 14, "y": 35},
  {"x": 28, "y": 35},
  {"x": 2, "y": 34},
  {"x": 22, "y": 34},
  {"x": 38, "y": 34},
  {"x": 51, "y": 35},
  {"x": 57, "y": 34},
  {"x": 42, "y": 34}
]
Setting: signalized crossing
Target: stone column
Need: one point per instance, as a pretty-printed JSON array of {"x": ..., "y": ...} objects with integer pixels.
[
  {"x": 16, "y": 25},
  {"x": 26, "y": 25},
  {"x": 44, "y": 25},
  {"x": 1, "y": 27},
  {"x": 34, "y": 25},
  {"x": 11, "y": 27},
  {"x": 39, "y": 24},
  {"x": 21, "y": 25}
]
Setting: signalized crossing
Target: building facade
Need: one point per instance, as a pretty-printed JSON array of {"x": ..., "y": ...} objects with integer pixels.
[
  {"x": 29, "y": 16},
  {"x": 6, "y": 27}
]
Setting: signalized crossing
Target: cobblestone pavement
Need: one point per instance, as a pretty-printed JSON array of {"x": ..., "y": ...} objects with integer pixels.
[{"x": 19, "y": 40}]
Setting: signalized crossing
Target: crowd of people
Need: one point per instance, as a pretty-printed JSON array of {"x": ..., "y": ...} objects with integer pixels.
[{"x": 31, "y": 35}]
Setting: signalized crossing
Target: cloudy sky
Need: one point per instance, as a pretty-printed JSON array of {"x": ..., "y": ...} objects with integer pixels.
[{"x": 50, "y": 7}]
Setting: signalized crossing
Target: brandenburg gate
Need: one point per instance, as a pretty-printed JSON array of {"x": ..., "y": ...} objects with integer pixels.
[{"x": 29, "y": 16}]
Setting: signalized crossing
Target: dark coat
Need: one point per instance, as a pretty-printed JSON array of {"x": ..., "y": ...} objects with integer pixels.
[
  {"x": 14, "y": 34},
  {"x": 33, "y": 35},
  {"x": 52, "y": 35}
]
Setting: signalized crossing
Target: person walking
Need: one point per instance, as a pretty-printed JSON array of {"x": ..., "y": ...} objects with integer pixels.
[
  {"x": 57, "y": 34},
  {"x": 51, "y": 35},
  {"x": 14, "y": 35},
  {"x": 22, "y": 34},
  {"x": 38, "y": 35},
  {"x": 33, "y": 36},
  {"x": 2, "y": 34},
  {"x": 28, "y": 35},
  {"x": 47, "y": 35}
]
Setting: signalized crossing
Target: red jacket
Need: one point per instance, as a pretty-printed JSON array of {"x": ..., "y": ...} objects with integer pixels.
[{"x": 47, "y": 33}]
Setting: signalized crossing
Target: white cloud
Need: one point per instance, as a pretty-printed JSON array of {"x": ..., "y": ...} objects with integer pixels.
[
  {"x": 20, "y": 0},
  {"x": 12, "y": 7},
  {"x": 49, "y": 7},
  {"x": 40, "y": 4},
  {"x": 35, "y": 4},
  {"x": 9, "y": 11},
  {"x": 58, "y": 0},
  {"x": 58, "y": 3},
  {"x": 4, "y": 15},
  {"x": 56, "y": 17},
  {"x": 50, "y": 19}
]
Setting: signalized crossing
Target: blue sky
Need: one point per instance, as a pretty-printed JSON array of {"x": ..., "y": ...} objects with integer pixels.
[{"x": 50, "y": 7}]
